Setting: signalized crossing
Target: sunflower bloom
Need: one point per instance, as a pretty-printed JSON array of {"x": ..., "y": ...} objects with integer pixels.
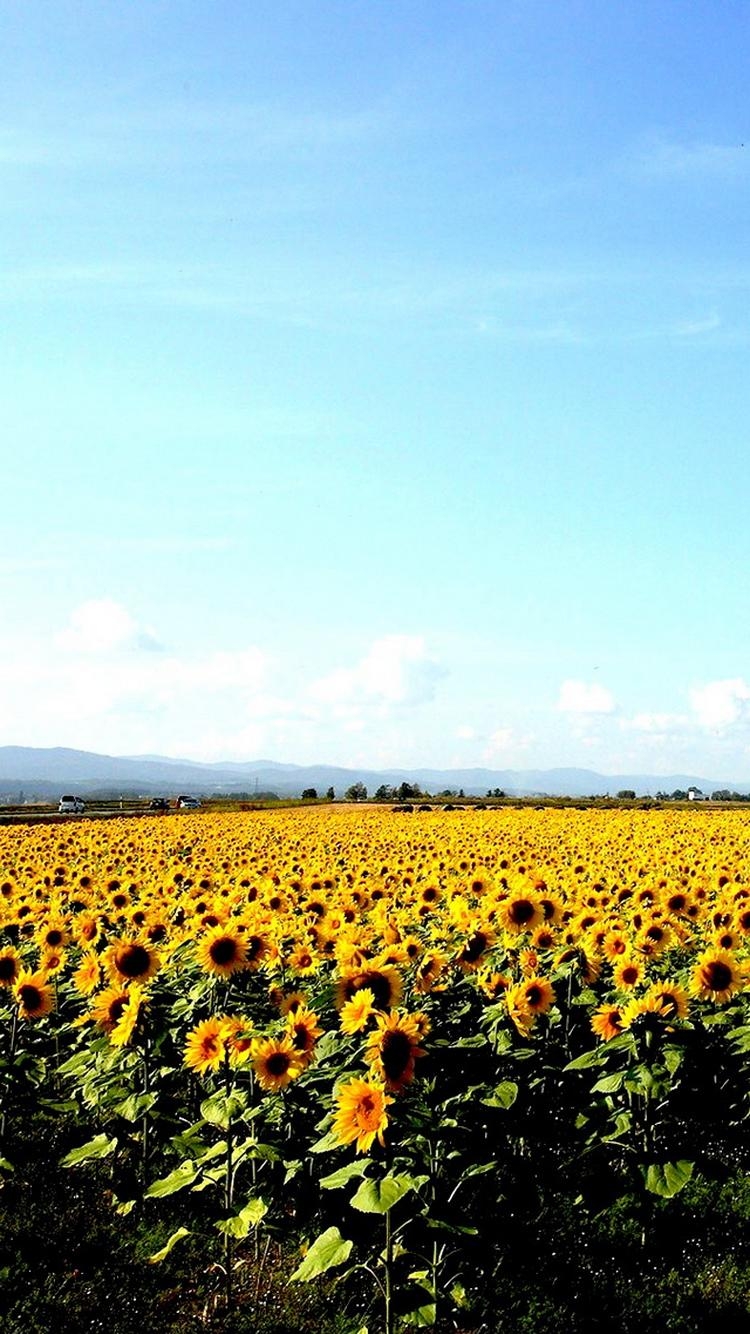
[
  {"x": 304, "y": 1030},
  {"x": 11, "y": 966},
  {"x": 275, "y": 1062},
  {"x": 124, "y": 1028},
  {"x": 87, "y": 974},
  {"x": 606, "y": 1022},
  {"x": 357, "y": 1011},
  {"x": 206, "y": 1046},
  {"x": 35, "y": 998},
  {"x": 131, "y": 961},
  {"x": 393, "y": 1049},
  {"x": 361, "y": 1114},
  {"x": 717, "y": 976},
  {"x": 474, "y": 951},
  {"x": 221, "y": 952}
]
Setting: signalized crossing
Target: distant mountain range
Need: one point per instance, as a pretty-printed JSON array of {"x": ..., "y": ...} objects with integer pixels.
[{"x": 45, "y": 772}]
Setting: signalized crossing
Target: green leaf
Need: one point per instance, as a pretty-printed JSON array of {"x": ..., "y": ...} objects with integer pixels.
[
  {"x": 98, "y": 1147},
  {"x": 326, "y": 1144},
  {"x": 504, "y": 1095},
  {"x": 378, "y": 1197},
  {"x": 345, "y": 1174},
  {"x": 135, "y": 1106},
  {"x": 586, "y": 1061},
  {"x": 667, "y": 1179},
  {"x": 221, "y": 1109},
  {"x": 609, "y": 1083},
  {"x": 247, "y": 1218},
  {"x": 173, "y": 1240},
  {"x": 5, "y": 1166},
  {"x": 183, "y": 1176},
  {"x": 329, "y": 1250}
]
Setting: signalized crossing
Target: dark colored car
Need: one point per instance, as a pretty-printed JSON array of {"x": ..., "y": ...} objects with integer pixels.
[{"x": 158, "y": 804}]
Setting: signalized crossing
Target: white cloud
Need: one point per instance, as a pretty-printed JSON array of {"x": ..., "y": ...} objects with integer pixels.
[
  {"x": 653, "y": 724},
  {"x": 693, "y": 328},
  {"x": 585, "y": 697},
  {"x": 101, "y": 626},
  {"x": 397, "y": 670},
  {"x": 466, "y": 733},
  {"x": 663, "y": 157},
  {"x": 721, "y": 704}
]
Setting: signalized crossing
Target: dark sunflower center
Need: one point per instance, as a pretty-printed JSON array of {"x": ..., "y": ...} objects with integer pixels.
[
  {"x": 30, "y": 996},
  {"x": 116, "y": 1009},
  {"x": 474, "y": 947},
  {"x": 8, "y": 968},
  {"x": 223, "y": 950},
  {"x": 254, "y": 946},
  {"x": 133, "y": 961},
  {"x": 629, "y": 975},
  {"x": 521, "y": 911},
  {"x": 395, "y": 1053},
  {"x": 278, "y": 1063},
  {"x": 717, "y": 975},
  {"x": 53, "y": 938},
  {"x": 534, "y": 996},
  {"x": 380, "y": 987}
]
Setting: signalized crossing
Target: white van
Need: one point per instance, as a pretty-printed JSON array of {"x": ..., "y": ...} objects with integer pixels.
[{"x": 71, "y": 806}]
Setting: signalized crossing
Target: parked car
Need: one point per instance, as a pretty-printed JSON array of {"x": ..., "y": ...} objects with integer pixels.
[
  {"x": 71, "y": 805},
  {"x": 158, "y": 804},
  {"x": 188, "y": 803}
]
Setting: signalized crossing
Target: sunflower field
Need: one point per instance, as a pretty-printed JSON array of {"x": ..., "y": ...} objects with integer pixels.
[{"x": 349, "y": 1070}]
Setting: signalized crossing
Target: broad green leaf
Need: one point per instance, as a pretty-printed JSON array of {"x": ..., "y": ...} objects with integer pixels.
[
  {"x": 247, "y": 1218},
  {"x": 183, "y": 1176},
  {"x": 586, "y": 1061},
  {"x": 221, "y": 1109},
  {"x": 377, "y": 1197},
  {"x": 327, "y": 1251},
  {"x": 422, "y": 1317},
  {"x": 136, "y": 1105},
  {"x": 345, "y": 1174},
  {"x": 98, "y": 1147},
  {"x": 173, "y": 1240},
  {"x": 609, "y": 1083},
  {"x": 5, "y": 1166},
  {"x": 503, "y": 1095},
  {"x": 326, "y": 1144},
  {"x": 667, "y": 1179}
]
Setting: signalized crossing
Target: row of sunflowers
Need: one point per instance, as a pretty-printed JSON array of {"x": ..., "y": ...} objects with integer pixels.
[{"x": 348, "y": 1034}]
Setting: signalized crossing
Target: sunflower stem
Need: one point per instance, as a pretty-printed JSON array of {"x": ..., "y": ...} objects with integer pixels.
[
  {"x": 388, "y": 1274},
  {"x": 145, "y": 1118},
  {"x": 6, "y": 1087},
  {"x": 228, "y": 1188}
]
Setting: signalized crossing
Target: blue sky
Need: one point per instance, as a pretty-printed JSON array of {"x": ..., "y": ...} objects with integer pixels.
[{"x": 373, "y": 381}]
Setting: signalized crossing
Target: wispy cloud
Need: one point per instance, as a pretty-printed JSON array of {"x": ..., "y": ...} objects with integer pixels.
[
  {"x": 658, "y": 155},
  {"x": 694, "y": 328}
]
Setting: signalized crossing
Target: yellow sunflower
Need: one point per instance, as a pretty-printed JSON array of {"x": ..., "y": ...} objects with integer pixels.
[
  {"x": 131, "y": 961},
  {"x": 11, "y": 966},
  {"x": 206, "y": 1047},
  {"x": 716, "y": 976},
  {"x": 606, "y": 1022},
  {"x": 357, "y": 1011},
  {"x": 361, "y": 1114},
  {"x": 34, "y": 997},
  {"x": 393, "y": 1048},
  {"x": 304, "y": 1030},
  {"x": 275, "y": 1062},
  {"x": 221, "y": 952}
]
